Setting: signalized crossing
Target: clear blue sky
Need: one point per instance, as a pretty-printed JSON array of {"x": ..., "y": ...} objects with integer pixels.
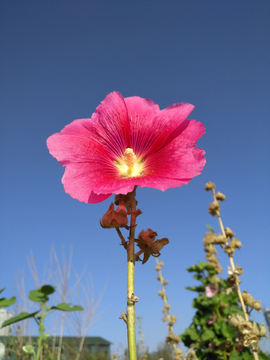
[{"x": 59, "y": 59}]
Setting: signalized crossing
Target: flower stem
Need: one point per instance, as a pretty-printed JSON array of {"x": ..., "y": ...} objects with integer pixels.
[
  {"x": 130, "y": 280},
  {"x": 41, "y": 330}
]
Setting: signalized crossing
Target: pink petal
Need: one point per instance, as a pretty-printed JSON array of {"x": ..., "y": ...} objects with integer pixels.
[{"x": 142, "y": 113}]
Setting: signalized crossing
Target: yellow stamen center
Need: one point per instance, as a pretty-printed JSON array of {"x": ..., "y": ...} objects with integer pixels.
[{"x": 129, "y": 165}]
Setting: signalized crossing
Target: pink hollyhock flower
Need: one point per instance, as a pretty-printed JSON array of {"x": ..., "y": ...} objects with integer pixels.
[
  {"x": 128, "y": 142},
  {"x": 210, "y": 290},
  {"x": 212, "y": 319},
  {"x": 239, "y": 347}
]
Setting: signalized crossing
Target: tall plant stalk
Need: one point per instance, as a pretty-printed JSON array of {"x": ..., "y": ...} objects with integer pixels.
[{"x": 130, "y": 281}]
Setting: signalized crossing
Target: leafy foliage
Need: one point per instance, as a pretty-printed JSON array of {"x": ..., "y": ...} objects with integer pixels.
[{"x": 214, "y": 339}]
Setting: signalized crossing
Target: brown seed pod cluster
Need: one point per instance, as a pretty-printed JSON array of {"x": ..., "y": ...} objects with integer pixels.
[{"x": 248, "y": 331}]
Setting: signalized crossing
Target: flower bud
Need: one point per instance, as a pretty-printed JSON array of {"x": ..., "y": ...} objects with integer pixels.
[
  {"x": 161, "y": 263},
  {"x": 158, "y": 268}
]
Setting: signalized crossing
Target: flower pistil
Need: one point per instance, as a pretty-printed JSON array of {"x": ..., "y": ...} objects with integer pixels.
[{"x": 129, "y": 165}]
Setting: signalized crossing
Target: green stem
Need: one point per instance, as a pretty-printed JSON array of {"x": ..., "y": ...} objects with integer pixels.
[
  {"x": 41, "y": 329},
  {"x": 130, "y": 281}
]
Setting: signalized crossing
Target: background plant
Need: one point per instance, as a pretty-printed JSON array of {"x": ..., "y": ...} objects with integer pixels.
[{"x": 40, "y": 296}]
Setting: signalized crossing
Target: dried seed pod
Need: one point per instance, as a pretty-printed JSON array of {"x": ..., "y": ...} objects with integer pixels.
[
  {"x": 229, "y": 233},
  {"x": 245, "y": 296},
  {"x": 262, "y": 330},
  {"x": 214, "y": 208},
  {"x": 220, "y": 240},
  {"x": 250, "y": 301},
  {"x": 249, "y": 339},
  {"x": 257, "y": 305},
  {"x": 210, "y": 186},
  {"x": 236, "y": 243},
  {"x": 245, "y": 327},
  {"x": 220, "y": 196},
  {"x": 229, "y": 249},
  {"x": 233, "y": 321},
  {"x": 209, "y": 238},
  {"x": 255, "y": 329},
  {"x": 172, "y": 339},
  {"x": 238, "y": 270}
]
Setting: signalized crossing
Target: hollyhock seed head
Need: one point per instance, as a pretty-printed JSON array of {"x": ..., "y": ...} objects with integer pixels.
[{"x": 128, "y": 142}]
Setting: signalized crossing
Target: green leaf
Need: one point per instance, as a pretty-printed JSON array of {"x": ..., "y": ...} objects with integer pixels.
[
  {"x": 235, "y": 356},
  {"x": 247, "y": 355},
  {"x": 196, "y": 288},
  {"x": 192, "y": 333},
  {"x": 210, "y": 228},
  {"x": 66, "y": 307},
  {"x": 47, "y": 289},
  {"x": 7, "y": 302},
  {"x": 263, "y": 356},
  {"x": 227, "y": 331},
  {"x": 37, "y": 296},
  {"x": 28, "y": 349},
  {"x": 21, "y": 316},
  {"x": 208, "y": 335},
  {"x": 2, "y": 290}
]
